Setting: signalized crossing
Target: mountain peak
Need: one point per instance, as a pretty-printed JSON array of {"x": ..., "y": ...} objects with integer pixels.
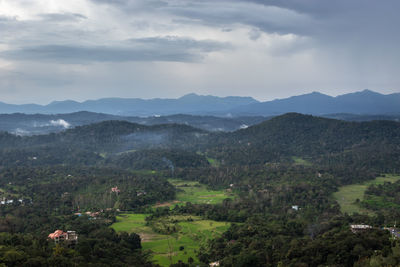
[
  {"x": 189, "y": 96},
  {"x": 64, "y": 102}
]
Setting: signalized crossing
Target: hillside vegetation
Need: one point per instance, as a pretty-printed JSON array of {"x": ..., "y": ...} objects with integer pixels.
[{"x": 260, "y": 196}]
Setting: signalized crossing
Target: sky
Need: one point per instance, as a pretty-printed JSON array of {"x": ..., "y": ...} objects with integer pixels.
[{"x": 90, "y": 49}]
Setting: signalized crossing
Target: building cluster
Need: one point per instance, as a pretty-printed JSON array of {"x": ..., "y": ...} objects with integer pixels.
[
  {"x": 360, "y": 228},
  {"x": 70, "y": 237},
  {"x": 10, "y": 201},
  {"x": 393, "y": 231},
  {"x": 89, "y": 213},
  {"x": 357, "y": 228}
]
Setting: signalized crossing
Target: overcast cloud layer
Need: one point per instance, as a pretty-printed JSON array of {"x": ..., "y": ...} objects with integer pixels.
[{"x": 89, "y": 49}]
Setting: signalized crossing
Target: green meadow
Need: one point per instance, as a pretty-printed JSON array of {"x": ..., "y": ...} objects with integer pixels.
[
  {"x": 213, "y": 162},
  {"x": 348, "y": 195},
  {"x": 191, "y": 233},
  {"x": 196, "y": 193},
  {"x": 301, "y": 161}
]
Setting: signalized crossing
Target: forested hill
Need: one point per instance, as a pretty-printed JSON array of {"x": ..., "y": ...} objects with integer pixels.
[
  {"x": 111, "y": 136},
  {"x": 316, "y": 134},
  {"x": 326, "y": 141},
  {"x": 300, "y": 135}
]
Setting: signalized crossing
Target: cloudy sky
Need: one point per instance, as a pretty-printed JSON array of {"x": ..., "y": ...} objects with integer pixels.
[{"x": 89, "y": 49}]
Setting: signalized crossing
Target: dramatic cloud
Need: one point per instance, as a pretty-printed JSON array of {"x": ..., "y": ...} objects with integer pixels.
[
  {"x": 140, "y": 49},
  {"x": 83, "y": 49}
]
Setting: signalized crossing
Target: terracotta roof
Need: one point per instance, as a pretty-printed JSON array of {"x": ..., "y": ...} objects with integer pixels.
[{"x": 57, "y": 233}]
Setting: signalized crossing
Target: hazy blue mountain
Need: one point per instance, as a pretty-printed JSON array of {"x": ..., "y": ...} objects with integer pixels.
[
  {"x": 31, "y": 124},
  {"x": 365, "y": 117},
  {"x": 188, "y": 104},
  {"x": 364, "y": 102}
]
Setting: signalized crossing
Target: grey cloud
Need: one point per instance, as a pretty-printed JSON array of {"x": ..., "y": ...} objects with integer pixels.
[
  {"x": 254, "y": 34},
  {"x": 7, "y": 18},
  {"x": 225, "y": 14},
  {"x": 63, "y": 16},
  {"x": 133, "y": 5},
  {"x": 174, "y": 43},
  {"x": 172, "y": 49},
  {"x": 348, "y": 45},
  {"x": 324, "y": 20}
]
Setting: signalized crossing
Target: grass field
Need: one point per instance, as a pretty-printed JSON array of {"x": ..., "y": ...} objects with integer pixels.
[
  {"x": 194, "y": 192},
  {"x": 301, "y": 161},
  {"x": 347, "y": 195},
  {"x": 192, "y": 233},
  {"x": 213, "y": 162}
]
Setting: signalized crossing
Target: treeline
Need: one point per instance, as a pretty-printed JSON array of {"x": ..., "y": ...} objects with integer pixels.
[
  {"x": 71, "y": 189},
  {"x": 262, "y": 241},
  {"x": 384, "y": 199}
]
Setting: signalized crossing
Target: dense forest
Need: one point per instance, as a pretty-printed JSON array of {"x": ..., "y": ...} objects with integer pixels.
[{"x": 282, "y": 172}]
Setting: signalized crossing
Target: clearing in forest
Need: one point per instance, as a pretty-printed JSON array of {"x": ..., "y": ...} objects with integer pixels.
[
  {"x": 188, "y": 234},
  {"x": 301, "y": 161},
  {"x": 196, "y": 193},
  {"x": 347, "y": 195}
]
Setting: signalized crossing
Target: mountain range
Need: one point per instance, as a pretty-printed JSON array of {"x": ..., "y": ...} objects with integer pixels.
[
  {"x": 188, "y": 104},
  {"x": 364, "y": 102}
]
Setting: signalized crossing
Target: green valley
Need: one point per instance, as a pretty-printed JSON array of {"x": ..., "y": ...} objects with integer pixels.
[{"x": 190, "y": 233}]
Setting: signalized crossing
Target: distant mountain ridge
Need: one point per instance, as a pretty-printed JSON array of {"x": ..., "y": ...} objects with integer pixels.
[
  {"x": 33, "y": 124},
  {"x": 315, "y": 103},
  {"x": 187, "y": 104},
  {"x": 365, "y": 102}
]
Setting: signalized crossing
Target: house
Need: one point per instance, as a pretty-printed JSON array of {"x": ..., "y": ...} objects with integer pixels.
[
  {"x": 58, "y": 236},
  {"x": 357, "y": 228},
  {"x": 295, "y": 207},
  {"x": 115, "y": 190},
  {"x": 214, "y": 264}
]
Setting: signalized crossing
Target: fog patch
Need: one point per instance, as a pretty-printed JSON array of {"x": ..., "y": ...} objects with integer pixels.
[
  {"x": 60, "y": 122},
  {"x": 21, "y": 132},
  {"x": 52, "y": 123},
  {"x": 169, "y": 164}
]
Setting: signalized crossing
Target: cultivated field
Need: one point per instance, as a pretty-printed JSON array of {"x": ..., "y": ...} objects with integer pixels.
[
  {"x": 191, "y": 232},
  {"x": 348, "y": 195},
  {"x": 196, "y": 193}
]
